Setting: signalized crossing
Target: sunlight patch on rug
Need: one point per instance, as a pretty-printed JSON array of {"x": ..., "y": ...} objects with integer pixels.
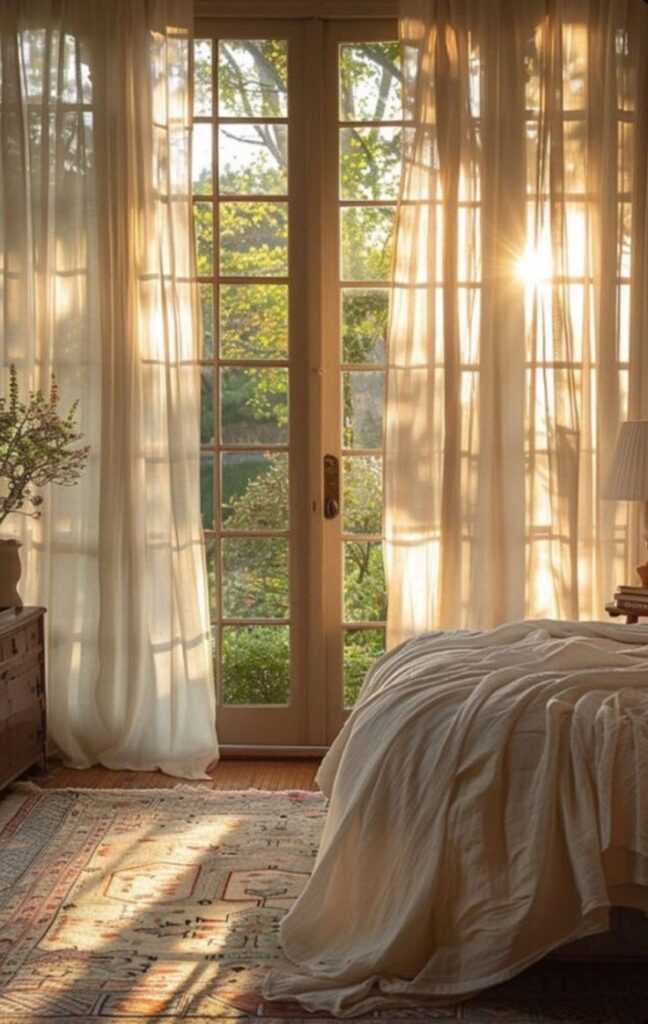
[
  {"x": 149, "y": 902},
  {"x": 165, "y": 905}
]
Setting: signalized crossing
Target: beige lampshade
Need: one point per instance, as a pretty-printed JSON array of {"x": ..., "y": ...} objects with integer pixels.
[{"x": 627, "y": 479}]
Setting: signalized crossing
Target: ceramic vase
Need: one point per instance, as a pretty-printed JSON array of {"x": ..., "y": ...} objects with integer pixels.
[{"x": 9, "y": 574}]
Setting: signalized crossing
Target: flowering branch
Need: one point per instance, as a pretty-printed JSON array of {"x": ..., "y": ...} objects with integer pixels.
[{"x": 37, "y": 447}]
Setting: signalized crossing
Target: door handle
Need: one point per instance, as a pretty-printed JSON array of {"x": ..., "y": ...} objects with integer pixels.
[
  {"x": 331, "y": 508},
  {"x": 331, "y": 487}
]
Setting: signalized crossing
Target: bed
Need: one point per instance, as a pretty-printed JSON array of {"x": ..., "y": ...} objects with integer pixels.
[{"x": 488, "y": 804}]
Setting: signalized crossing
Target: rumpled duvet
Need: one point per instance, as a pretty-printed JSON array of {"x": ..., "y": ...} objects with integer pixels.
[{"x": 488, "y": 803}]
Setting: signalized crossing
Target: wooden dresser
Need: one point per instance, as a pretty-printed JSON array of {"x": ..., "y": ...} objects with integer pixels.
[{"x": 22, "y": 692}]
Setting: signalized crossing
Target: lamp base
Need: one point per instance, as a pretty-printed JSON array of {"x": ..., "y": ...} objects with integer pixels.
[{"x": 642, "y": 568}]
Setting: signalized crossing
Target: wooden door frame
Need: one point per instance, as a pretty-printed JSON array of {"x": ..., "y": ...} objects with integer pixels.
[
  {"x": 317, "y": 705},
  {"x": 335, "y": 32},
  {"x": 245, "y": 727}
]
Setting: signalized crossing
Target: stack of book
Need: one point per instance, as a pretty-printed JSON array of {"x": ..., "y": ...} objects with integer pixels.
[{"x": 633, "y": 599}]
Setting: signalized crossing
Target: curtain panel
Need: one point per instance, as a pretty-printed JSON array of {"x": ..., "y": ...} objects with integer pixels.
[
  {"x": 96, "y": 285},
  {"x": 519, "y": 310}
]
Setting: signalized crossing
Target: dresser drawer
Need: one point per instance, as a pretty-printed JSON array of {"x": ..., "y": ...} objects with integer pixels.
[
  {"x": 22, "y": 740},
  {"x": 18, "y": 692},
  {"x": 18, "y": 643}
]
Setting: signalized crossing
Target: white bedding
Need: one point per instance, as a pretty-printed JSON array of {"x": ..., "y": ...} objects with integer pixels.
[{"x": 488, "y": 802}]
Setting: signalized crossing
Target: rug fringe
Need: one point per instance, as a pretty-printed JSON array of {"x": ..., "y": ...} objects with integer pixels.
[{"x": 177, "y": 790}]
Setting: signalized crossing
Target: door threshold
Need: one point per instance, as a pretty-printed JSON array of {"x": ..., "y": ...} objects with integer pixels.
[{"x": 231, "y": 751}]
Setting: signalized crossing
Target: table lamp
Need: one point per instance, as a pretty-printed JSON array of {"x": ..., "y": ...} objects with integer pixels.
[{"x": 627, "y": 479}]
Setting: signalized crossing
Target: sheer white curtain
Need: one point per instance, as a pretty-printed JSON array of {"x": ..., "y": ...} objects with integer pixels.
[
  {"x": 519, "y": 324},
  {"x": 96, "y": 286}
]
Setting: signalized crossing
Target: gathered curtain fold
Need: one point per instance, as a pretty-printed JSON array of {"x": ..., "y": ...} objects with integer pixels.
[
  {"x": 97, "y": 286},
  {"x": 519, "y": 311}
]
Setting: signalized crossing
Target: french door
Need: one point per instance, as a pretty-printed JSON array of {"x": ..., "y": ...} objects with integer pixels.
[{"x": 296, "y": 161}]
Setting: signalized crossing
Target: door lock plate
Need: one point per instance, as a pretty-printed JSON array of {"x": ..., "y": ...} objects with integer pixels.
[{"x": 331, "y": 486}]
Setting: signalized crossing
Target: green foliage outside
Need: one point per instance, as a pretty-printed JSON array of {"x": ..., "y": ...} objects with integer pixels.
[
  {"x": 254, "y": 325},
  {"x": 255, "y": 496},
  {"x": 361, "y": 648},
  {"x": 255, "y": 577},
  {"x": 255, "y": 663},
  {"x": 364, "y": 324}
]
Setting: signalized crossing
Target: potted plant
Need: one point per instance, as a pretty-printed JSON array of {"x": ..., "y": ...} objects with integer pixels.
[{"x": 37, "y": 447}]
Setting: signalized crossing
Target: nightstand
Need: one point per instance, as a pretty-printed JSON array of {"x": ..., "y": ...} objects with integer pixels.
[{"x": 22, "y": 692}]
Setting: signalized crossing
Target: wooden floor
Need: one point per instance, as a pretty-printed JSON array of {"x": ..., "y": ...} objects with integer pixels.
[{"x": 234, "y": 774}]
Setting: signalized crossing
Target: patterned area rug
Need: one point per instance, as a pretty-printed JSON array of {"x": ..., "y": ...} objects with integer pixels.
[{"x": 165, "y": 905}]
